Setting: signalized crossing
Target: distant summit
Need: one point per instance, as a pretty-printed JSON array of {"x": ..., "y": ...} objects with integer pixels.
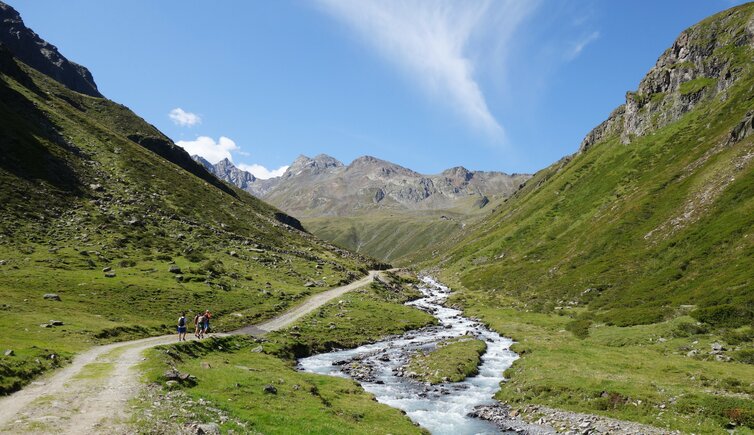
[
  {"x": 227, "y": 171},
  {"x": 39, "y": 54},
  {"x": 324, "y": 186}
]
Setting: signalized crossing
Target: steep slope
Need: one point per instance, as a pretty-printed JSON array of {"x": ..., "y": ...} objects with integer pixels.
[
  {"x": 124, "y": 231},
  {"x": 652, "y": 220},
  {"x": 41, "y": 55}
]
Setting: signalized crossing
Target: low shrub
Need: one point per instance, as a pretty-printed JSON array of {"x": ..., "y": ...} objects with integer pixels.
[
  {"x": 579, "y": 328},
  {"x": 725, "y": 315}
]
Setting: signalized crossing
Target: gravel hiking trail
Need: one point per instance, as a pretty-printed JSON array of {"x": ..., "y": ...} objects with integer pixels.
[{"x": 91, "y": 394}]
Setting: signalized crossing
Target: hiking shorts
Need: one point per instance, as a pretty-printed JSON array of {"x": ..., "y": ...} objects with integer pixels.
[{"x": 181, "y": 329}]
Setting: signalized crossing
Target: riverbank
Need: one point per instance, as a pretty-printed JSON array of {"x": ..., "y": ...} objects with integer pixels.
[
  {"x": 443, "y": 408},
  {"x": 671, "y": 375}
]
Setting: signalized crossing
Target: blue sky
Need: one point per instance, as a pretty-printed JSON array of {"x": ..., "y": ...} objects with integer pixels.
[{"x": 507, "y": 85}]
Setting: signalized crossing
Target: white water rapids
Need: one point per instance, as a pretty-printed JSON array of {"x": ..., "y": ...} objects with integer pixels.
[{"x": 443, "y": 408}]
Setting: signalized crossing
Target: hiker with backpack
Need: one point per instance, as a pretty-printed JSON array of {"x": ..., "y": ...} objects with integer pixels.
[
  {"x": 182, "y": 327},
  {"x": 199, "y": 325},
  {"x": 207, "y": 316}
]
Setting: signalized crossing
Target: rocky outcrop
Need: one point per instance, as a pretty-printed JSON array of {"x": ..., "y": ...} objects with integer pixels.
[
  {"x": 227, "y": 171},
  {"x": 39, "y": 54},
  {"x": 700, "y": 65}
]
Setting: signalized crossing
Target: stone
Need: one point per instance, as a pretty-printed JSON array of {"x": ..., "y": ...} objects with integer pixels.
[
  {"x": 174, "y": 269},
  {"x": 208, "y": 429},
  {"x": 270, "y": 389},
  {"x": 233, "y": 253},
  {"x": 257, "y": 349},
  {"x": 107, "y": 269},
  {"x": 9, "y": 352},
  {"x": 717, "y": 347},
  {"x": 110, "y": 275},
  {"x": 56, "y": 323},
  {"x": 52, "y": 296},
  {"x": 310, "y": 284}
]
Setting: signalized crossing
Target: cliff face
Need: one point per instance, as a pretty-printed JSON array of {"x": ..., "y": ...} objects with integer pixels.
[
  {"x": 703, "y": 62},
  {"x": 39, "y": 54}
]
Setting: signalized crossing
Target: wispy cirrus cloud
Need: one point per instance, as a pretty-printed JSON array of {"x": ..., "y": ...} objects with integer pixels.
[
  {"x": 577, "y": 47},
  {"x": 184, "y": 118},
  {"x": 432, "y": 42}
]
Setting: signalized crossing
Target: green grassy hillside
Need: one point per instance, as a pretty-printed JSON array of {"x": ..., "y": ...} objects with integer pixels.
[
  {"x": 97, "y": 206},
  {"x": 650, "y": 223},
  {"x": 399, "y": 237}
]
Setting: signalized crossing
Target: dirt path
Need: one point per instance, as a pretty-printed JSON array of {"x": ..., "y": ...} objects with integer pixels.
[{"x": 91, "y": 394}]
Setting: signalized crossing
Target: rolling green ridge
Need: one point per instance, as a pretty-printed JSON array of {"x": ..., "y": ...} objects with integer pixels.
[
  {"x": 97, "y": 206},
  {"x": 650, "y": 224},
  {"x": 391, "y": 238}
]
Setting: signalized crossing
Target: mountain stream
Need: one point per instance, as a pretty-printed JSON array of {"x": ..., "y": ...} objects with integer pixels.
[{"x": 442, "y": 408}]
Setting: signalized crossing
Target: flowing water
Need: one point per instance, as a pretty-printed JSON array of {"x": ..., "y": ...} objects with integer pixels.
[{"x": 443, "y": 408}]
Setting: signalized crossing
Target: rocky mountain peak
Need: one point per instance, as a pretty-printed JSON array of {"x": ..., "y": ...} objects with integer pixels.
[
  {"x": 458, "y": 172},
  {"x": 703, "y": 62},
  {"x": 204, "y": 162},
  {"x": 227, "y": 171},
  {"x": 382, "y": 167},
  {"x": 318, "y": 164},
  {"x": 327, "y": 161},
  {"x": 39, "y": 54}
]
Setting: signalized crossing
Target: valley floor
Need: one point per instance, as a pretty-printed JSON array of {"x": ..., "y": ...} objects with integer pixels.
[{"x": 92, "y": 393}]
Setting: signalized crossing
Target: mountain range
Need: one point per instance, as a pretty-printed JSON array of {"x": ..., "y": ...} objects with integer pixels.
[
  {"x": 323, "y": 186},
  {"x": 374, "y": 206}
]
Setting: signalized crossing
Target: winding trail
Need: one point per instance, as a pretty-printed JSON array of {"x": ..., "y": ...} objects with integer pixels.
[{"x": 91, "y": 394}]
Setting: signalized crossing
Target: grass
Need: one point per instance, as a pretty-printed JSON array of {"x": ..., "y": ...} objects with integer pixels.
[
  {"x": 639, "y": 373},
  {"x": 233, "y": 372},
  {"x": 234, "y": 379},
  {"x": 394, "y": 236},
  {"x": 616, "y": 268},
  {"x": 359, "y": 317},
  {"x": 88, "y": 186},
  {"x": 693, "y": 86},
  {"x": 453, "y": 360}
]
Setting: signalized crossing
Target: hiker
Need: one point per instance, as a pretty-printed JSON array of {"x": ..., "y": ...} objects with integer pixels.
[
  {"x": 182, "y": 327},
  {"x": 200, "y": 325},
  {"x": 207, "y": 316},
  {"x": 196, "y": 326}
]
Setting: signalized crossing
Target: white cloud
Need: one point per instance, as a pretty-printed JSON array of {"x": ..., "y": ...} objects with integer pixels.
[
  {"x": 206, "y": 147},
  {"x": 183, "y": 118},
  {"x": 430, "y": 41},
  {"x": 261, "y": 172},
  {"x": 576, "y": 48}
]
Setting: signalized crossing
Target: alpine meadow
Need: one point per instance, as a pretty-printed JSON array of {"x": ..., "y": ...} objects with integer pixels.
[{"x": 156, "y": 280}]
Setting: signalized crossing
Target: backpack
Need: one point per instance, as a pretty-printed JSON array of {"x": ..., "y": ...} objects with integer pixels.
[{"x": 182, "y": 321}]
